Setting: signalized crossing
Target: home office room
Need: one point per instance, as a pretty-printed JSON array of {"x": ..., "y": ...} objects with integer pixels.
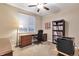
[{"x": 39, "y": 29}]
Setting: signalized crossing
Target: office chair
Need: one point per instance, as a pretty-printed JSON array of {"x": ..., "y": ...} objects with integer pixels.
[
  {"x": 39, "y": 37},
  {"x": 65, "y": 45}
]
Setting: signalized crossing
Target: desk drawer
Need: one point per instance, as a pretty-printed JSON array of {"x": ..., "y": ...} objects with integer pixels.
[
  {"x": 25, "y": 40},
  {"x": 26, "y": 43}
]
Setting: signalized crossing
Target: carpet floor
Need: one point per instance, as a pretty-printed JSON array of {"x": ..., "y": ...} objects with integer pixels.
[{"x": 44, "y": 49}]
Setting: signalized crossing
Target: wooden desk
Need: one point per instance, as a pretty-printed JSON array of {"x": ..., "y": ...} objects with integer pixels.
[{"x": 27, "y": 39}]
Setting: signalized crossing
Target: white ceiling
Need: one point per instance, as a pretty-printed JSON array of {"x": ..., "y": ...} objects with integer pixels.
[{"x": 54, "y": 7}]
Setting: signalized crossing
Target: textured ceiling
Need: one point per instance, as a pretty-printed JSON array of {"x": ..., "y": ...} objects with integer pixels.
[{"x": 54, "y": 7}]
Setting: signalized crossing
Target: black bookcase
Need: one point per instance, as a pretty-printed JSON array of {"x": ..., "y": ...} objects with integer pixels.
[{"x": 58, "y": 29}]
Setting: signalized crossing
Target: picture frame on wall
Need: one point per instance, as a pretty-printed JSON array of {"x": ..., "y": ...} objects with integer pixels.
[{"x": 47, "y": 25}]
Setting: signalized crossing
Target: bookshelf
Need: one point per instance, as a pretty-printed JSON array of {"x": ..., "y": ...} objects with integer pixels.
[{"x": 58, "y": 29}]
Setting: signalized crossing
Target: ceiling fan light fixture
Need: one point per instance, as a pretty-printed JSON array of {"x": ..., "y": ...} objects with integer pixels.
[{"x": 40, "y": 6}]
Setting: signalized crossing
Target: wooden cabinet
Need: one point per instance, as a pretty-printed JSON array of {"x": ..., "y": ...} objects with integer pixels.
[
  {"x": 44, "y": 37},
  {"x": 25, "y": 40}
]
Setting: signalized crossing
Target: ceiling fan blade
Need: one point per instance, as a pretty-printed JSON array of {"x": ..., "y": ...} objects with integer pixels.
[
  {"x": 32, "y": 5},
  {"x": 45, "y": 8},
  {"x": 38, "y": 10},
  {"x": 44, "y": 3}
]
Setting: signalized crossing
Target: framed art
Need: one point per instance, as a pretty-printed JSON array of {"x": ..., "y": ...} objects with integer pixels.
[{"x": 47, "y": 25}]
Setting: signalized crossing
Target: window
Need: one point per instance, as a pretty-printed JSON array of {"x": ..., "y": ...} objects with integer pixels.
[{"x": 26, "y": 23}]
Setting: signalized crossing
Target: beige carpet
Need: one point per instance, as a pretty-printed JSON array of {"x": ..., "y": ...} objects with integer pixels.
[{"x": 44, "y": 49}]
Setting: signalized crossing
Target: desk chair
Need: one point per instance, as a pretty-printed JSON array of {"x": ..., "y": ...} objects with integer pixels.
[
  {"x": 65, "y": 45},
  {"x": 39, "y": 37}
]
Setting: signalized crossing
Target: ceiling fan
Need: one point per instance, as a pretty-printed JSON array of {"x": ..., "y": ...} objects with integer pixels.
[{"x": 38, "y": 5}]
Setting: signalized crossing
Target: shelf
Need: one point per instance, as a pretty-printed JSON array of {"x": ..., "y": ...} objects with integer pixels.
[
  {"x": 58, "y": 25},
  {"x": 56, "y": 35},
  {"x": 58, "y": 29}
]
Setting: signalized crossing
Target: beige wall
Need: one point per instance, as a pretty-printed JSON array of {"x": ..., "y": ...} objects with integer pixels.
[
  {"x": 9, "y": 22},
  {"x": 71, "y": 16},
  {"x": 38, "y": 23}
]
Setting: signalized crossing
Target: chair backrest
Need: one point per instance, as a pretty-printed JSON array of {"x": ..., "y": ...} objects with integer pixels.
[{"x": 40, "y": 34}]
